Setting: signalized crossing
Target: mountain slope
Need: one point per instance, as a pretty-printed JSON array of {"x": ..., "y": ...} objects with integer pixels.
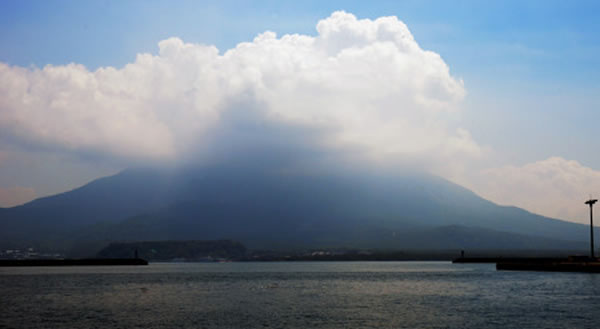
[
  {"x": 106, "y": 199},
  {"x": 261, "y": 207}
]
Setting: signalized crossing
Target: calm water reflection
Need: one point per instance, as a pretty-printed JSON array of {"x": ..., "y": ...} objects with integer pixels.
[{"x": 297, "y": 295}]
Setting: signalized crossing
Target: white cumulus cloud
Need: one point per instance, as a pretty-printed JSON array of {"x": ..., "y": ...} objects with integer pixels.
[
  {"x": 358, "y": 84},
  {"x": 554, "y": 187}
]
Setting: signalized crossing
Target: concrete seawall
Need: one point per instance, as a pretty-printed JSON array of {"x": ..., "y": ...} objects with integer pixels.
[{"x": 73, "y": 262}]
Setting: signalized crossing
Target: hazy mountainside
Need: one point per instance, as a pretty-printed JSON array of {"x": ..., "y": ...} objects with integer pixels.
[
  {"x": 106, "y": 199},
  {"x": 274, "y": 209}
]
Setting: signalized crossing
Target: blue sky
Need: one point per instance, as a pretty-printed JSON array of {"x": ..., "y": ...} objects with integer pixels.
[
  {"x": 530, "y": 68},
  {"x": 543, "y": 40}
]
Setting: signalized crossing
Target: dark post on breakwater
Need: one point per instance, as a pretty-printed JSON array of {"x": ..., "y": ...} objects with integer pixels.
[
  {"x": 591, "y": 203},
  {"x": 570, "y": 264}
]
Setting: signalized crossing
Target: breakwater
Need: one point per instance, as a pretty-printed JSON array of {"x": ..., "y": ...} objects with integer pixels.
[{"x": 73, "y": 262}]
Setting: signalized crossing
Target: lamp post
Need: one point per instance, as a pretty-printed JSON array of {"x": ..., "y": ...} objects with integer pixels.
[{"x": 591, "y": 203}]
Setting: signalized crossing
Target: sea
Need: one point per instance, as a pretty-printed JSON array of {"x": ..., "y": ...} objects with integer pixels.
[{"x": 296, "y": 295}]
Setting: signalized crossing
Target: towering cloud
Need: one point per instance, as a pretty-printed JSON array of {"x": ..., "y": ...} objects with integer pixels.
[
  {"x": 359, "y": 89},
  {"x": 361, "y": 85}
]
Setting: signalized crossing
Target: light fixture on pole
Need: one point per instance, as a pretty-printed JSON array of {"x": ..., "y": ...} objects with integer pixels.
[{"x": 591, "y": 203}]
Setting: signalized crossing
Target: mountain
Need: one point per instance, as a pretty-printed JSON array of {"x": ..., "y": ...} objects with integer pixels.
[
  {"x": 265, "y": 208},
  {"x": 106, "y": 199}
]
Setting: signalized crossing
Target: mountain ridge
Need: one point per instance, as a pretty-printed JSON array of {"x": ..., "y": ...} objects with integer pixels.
[{"x": 262, "y": 207}]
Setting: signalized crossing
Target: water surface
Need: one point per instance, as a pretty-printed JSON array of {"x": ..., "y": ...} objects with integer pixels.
[{"x": 296, "y": 295}]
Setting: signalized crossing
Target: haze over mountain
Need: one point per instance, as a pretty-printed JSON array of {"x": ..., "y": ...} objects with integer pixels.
[
  {"x": 304, "y": 140},
  {"x": 353, "y": 84},
  {"x": 267, "y": 208}
]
